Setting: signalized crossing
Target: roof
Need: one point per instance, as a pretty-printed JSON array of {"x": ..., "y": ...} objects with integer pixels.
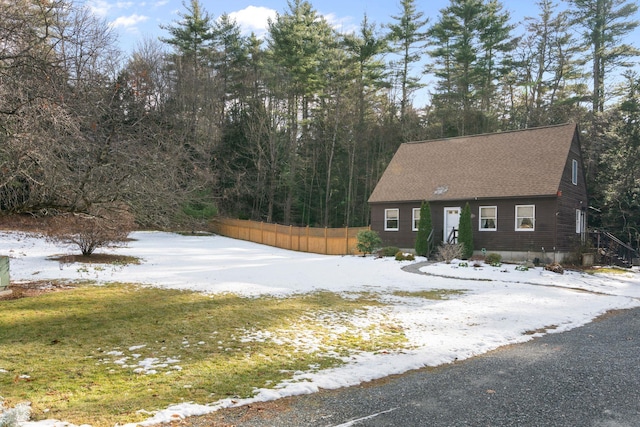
[{"x": 508, "y": 164}]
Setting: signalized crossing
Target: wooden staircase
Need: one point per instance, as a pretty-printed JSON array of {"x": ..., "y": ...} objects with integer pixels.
[{"x": 612, "y": 251}]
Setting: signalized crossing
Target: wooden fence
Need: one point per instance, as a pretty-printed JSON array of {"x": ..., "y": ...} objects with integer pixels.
[{"x": 329, "y": 241}]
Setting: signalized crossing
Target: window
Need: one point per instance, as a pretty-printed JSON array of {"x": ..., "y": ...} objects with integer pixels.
[
  {"x": 574, "y": 172},
  {"x": 391, "y": 219},
  {"x": 416, "y": 218},
  {"x": 525, "y": 217},
  {"x": 488, "y": 218}
]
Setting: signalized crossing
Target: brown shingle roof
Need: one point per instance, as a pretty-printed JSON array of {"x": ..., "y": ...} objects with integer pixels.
[{"x": 520, "y": 163}]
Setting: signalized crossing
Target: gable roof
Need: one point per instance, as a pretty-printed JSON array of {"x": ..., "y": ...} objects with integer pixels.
[{"x": 508, "y": 164}]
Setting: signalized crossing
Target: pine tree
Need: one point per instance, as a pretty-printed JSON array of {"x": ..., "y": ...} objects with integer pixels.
[
  {"x": 422, "y": 244},
  {"x": 408, "y": 39},
  {"x": 465, "y": 232},
  {"x": 605, "y": 23},
  {"x": 471, "y": 44}
]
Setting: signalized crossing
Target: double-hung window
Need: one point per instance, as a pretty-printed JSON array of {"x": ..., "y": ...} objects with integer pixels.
[
  {"x": 391, "y": 219},
  {"x": 525, "y": 217},
  {"x": 488, "y": 218},
  {"x": 416, "y": 219}
]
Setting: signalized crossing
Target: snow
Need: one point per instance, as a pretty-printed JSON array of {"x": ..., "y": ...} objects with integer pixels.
[{"x": 499, "y": 305}]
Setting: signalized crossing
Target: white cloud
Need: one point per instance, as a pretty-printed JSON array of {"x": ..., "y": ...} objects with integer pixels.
[
  {"x": 253, "y": 19},
  {"x": 128, "y": 21},
  {"x": 99, "y": 7},
  {"x": 124, "y": 4}
]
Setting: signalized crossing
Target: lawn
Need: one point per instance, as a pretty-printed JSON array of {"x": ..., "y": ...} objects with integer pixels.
[{"x": 106, "y": 354}]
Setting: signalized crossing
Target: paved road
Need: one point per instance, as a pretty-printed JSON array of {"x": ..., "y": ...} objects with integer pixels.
[{"x": 589, "y": 376}]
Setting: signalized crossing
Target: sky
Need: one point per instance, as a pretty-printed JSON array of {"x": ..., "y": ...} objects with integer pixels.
[{"x": 501, "y": 309}]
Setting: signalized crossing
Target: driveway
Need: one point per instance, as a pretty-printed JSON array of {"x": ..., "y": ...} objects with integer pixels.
[{"x": 588, "y": 376}]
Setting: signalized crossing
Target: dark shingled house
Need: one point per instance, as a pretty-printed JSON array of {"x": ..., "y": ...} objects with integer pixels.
[{"x": 526, "y": 190}]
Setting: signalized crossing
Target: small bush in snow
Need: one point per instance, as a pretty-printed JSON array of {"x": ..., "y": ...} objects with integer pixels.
[
  {"x": 389, "y": 251},
  {"x": 493, "y": 259},
  {"x": 368, "y": 241},
  {"x": 404, "y": 256},
  {"x": 447, "y": 252}
]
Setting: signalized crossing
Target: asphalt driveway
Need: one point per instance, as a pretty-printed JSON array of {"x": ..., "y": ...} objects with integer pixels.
[{"x": 589, "y": 376}]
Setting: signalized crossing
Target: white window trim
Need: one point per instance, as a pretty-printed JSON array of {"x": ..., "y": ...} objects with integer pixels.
[
  {"x": 495, "y": 227},
  {"x": 414, "y": 224},
  {"x": 533, "y": 226},
  {"x": 574, "y": 172},
  {"x": 386, "y": 211}
]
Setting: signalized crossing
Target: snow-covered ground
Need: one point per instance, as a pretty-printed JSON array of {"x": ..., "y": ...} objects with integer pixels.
[{"x": 500, "y": 305}]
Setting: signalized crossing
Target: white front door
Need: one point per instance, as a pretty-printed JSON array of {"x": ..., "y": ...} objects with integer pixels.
[{"x": 451, "y": 221}]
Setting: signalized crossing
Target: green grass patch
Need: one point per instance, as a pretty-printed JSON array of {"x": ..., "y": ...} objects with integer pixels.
[
  {"x": 100, "y": 354},
  {"x": 607, "y": 270},
  {"x": 432, "y": 294}
]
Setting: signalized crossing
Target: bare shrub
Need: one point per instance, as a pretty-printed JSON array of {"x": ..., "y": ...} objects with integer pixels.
[
  {"x": 89, "y": 231},
  {"x": 447, "y": 252},
  {"x": 555, "y": 267}
]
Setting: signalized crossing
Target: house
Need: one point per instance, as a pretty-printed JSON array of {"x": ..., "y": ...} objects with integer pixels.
[{"x": 526, "y": 189}]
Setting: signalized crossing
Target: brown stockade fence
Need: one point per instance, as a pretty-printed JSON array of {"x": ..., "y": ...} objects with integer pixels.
[{"x": 329, "y": 241}]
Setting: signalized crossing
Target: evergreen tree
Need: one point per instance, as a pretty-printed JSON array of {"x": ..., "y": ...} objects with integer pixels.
[
  {"x": 364, "y": 49},
  {"x": 546, "y": 82},
  {"x": 617, "y": 185},
  {"x": 408, "y": 38},
  {"x": 300, "y": 44},
  {"x": 471, "y": 39},
  {"x": 191, "y": 38},
  {"x": 422, "y": 244},
  {"x": 605, "y": 23},
  {"x": 465, "y": 232}
]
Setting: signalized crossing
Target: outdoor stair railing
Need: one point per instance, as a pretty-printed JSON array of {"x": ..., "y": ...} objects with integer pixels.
[
  {"x": 611, "y": 250},
  {"x": 453, "y": 236}
]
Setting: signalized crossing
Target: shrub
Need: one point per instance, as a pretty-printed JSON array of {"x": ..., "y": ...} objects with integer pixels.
[
  {"x": 422, "y": 245},
  {"x": 447, "y": 252},
  {"x": 404, "y": 256},
  {"x": 368, "y": 241},
  {"x": 200, "y": 210},
  {"x": 493, "y": 259},
  {"x": 89, "y": 231},
  {"x": 465, "y": 233},
  {"x": 388, "y": 251}
]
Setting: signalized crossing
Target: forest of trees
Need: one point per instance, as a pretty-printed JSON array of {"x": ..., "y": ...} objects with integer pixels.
[{"x": 297, "y": 128}]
